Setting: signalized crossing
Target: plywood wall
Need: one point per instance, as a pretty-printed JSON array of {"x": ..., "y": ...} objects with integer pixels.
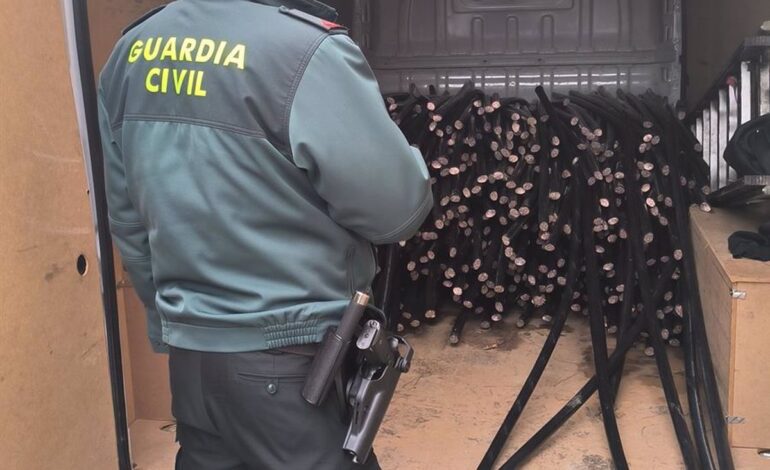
[
  {"x": 55, "y": 398},
  {"x": 107, "y": 19},
  {"x": 713, "y": 30},
  {"x": 151, "y": 389}
]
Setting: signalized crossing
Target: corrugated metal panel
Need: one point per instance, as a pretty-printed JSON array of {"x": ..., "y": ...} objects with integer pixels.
[{"x": 510, "y": 46}]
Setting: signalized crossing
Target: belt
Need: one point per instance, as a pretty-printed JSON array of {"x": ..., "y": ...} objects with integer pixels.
[{"x": 301, "y": 350}]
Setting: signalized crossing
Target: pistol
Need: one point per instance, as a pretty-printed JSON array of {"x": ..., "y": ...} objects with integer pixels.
[{"x": 381, "y": 363}]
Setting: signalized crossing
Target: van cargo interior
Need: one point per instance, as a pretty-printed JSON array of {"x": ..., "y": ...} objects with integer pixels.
[
  {"x": 457, "y": 396},
  {"x": 450, "y": 405}
]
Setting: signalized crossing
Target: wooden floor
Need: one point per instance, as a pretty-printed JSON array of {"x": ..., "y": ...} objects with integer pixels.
[{"x": 451, "y": 403}]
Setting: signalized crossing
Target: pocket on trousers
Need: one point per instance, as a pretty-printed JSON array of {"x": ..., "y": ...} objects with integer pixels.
[
  {"x": 264, "y": 378},
  {"x": 266, "y": 366}
]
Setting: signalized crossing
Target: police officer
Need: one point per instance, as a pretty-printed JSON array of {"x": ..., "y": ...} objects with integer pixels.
[{"x": 250, "y": 166}]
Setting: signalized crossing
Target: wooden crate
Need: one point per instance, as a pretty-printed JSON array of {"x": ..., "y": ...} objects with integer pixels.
[{"x": 736, "y": 307}]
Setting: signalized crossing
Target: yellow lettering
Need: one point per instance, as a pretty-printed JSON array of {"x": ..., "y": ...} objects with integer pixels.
[
  {"x": 237, "y": 56},
  {"x": 205, "y": 50},
  {"x": 199, "y": 91},
  {"x": 179, "y": 76},
  {"x": 164, "y": 81},
  {"x": 190, "y": 82},
  {"x": 185, "y": 52},
  {"x": 151, "y": 54},
  {"x": 220, "y": 51},
  {"x": 169, "y": 50},
  {"x": 152, "y": 87},
  {"x": 136, "y": 50}
]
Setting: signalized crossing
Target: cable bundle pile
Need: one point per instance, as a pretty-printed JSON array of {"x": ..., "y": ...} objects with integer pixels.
[
  {"x": 579, "y": 204},
  {"x": 504, "y": 183}
]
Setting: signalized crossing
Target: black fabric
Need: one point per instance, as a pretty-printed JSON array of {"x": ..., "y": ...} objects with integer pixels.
[
  {"x": 311, "y": 7},
  {"x": 764, "y": 229},
  {"x": 751, "y": 245},
  {"x": 244, "y": 411},
  {"x": 748, "y": 152}
]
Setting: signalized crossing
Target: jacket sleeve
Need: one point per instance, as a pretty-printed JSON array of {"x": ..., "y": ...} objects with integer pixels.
[
  {"x": 128, "y": 230},
  {"x": 358, "y": 160}
]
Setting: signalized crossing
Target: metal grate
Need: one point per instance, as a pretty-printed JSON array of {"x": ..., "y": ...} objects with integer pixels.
[{"x": 741, "y": 93}]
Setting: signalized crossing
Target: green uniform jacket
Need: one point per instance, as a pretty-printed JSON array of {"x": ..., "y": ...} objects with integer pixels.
[{"x": 250, "y": 166}]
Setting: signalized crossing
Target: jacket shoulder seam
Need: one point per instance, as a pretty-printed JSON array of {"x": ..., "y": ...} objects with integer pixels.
[
  {"x": 293, "y": 92},
  {"x": 193, "y": 121}
]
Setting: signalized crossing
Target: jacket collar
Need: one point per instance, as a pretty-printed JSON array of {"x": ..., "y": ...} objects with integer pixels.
[{"x": 311, "y": 7}]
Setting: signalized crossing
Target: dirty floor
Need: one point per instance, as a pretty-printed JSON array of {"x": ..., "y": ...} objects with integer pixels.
[{"x": 451, "y": 403}]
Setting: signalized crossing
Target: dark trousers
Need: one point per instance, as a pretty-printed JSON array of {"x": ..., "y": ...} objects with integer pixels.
[{"x": 244, "y": 411}]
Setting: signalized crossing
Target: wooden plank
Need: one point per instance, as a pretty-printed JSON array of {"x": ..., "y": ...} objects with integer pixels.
[
  {"x": 717, "y": 226},
  {"x": 107, "y": 18},
  {"x": 128, "y": 376},
  {"x": 152, "y": 391},
  {"x": 717, "y": 312},
  {"x": 751, "y": 386},
  {"x": 55, "y": 391},
  {"x": 736, "y": 327},
  {"x": 749, "y": 459}
]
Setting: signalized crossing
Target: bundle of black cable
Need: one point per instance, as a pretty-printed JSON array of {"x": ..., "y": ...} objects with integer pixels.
[
  {"x": 504, "y": 178},
  {"x": 576, "y": 204}
]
